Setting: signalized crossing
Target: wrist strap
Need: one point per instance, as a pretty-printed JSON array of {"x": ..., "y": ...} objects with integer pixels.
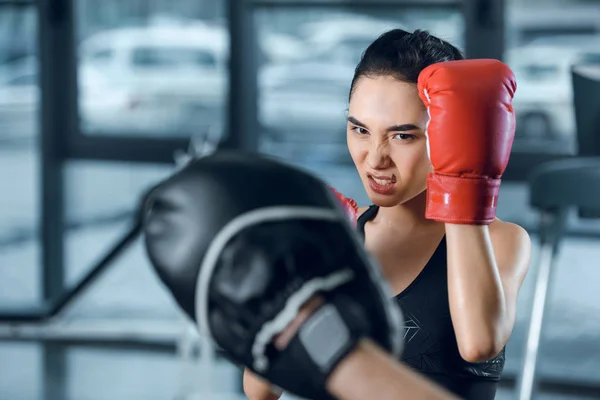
[
  {"x": 461, "y": 200},
  {"x": 326, "y": 337}
]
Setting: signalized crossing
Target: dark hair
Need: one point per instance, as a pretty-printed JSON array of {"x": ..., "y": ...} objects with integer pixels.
[{"x": 403, "y": 55}]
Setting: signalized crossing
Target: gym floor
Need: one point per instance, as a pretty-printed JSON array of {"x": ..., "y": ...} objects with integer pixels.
[{"x": 130, "y": 295}]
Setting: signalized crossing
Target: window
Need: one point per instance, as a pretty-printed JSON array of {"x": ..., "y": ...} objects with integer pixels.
[
  {"x": 17, "y": 32},
  {"x": 25, "y": 80},
  {"x": 172, "y": 57},
  {"x": 100, "y": 201},
  {"x": 544, "y": 39},
  {"x": 102, "y": 55},
  {"x": 303, "y": 94},
  {"x": 26, "y": 380},
  {"x": 167, "y": 76},
  {"x": 20, "y": 275}
]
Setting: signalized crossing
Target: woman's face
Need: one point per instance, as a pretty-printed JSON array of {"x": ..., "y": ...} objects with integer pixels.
[{"x": 386, "y": 139}]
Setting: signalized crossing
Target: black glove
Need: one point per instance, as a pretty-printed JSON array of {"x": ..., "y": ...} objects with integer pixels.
[{"x": 242, "y": 242}]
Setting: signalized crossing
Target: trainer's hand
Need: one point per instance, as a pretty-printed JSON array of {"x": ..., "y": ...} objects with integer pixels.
[
  {"x": 470, "y": 135},
  {"x": 256, "y": 388}
]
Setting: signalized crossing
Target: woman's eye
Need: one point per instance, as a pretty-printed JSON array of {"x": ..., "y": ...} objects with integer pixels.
[
  {"x": 404, "y": 136},
  {"x": 360, "y": 131}
]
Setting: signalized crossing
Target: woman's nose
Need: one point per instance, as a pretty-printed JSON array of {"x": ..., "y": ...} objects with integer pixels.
[{"x": 378, "y": 156}]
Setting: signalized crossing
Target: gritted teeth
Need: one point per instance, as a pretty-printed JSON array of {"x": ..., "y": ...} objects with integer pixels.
[
  {"x": 384, "y": 182},
  {"x": 381, "y": 180}
]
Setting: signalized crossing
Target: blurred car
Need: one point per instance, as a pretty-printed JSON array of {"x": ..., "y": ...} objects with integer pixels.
[
  {"x": 279, "y": 48},
  {"x": 154, "y": 81},
  {"x": 134, "y": 81},
  {"x": 164, "y": 79},
  {"x": 302, "y": 108},
  {"x": 20, "y": 97}
]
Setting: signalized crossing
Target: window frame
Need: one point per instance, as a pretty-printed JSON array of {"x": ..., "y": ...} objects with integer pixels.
[{"x": 61, "y": 138}]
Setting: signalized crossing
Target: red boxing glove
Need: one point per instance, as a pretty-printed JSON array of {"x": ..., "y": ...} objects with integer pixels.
[
  {"x": 470, "y": 135},
  {"x": 349, "y": 205}
]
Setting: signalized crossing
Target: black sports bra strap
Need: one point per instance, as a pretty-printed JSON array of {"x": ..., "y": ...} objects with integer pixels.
[{"x": 365, "y": 217}]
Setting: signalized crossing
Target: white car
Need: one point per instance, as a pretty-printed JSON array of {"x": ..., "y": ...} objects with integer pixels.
[
  {"x": 161, "y": 80},
  {"x": 132, "y": 81},
  {"x": 154, "y": 81}
]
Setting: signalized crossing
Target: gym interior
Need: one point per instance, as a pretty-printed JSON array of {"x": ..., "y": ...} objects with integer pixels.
[{"x": 101, "y": 100}]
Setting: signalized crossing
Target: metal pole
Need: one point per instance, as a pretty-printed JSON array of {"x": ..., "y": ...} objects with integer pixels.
[
  {"x": 550, "y": 233},
  {"x": 58, "y": 105},
  {"x": 242, "y": 124}
]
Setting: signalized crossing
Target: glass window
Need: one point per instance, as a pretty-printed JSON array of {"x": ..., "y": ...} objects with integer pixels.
[
  {"x": 157, "y": 70},
  {"x": 25, "y": 376},
  {"x": 303, "y": 94},
  {"x": 24, "y": 80},
  {"x": 150, "y": 57},
  {"x": 20, "y": 251},
  {"x": 543, "y": 40},
  {"x": 102, "y": 55},
  {"x": 100, "y": 200}
]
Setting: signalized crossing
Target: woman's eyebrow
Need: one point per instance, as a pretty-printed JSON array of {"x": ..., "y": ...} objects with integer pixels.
[{"x": 393, "y": 128}]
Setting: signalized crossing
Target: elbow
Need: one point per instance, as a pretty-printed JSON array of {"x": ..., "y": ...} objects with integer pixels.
[{"x": 475, "y": 351}]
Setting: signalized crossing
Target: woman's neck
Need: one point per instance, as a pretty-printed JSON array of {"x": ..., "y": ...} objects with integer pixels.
[{"x": 408, "y": 215}]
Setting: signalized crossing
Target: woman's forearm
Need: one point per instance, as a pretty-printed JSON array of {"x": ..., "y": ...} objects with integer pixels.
[
  {"x": 370, "y": 373},
  {"x": 476, "y": 295}
]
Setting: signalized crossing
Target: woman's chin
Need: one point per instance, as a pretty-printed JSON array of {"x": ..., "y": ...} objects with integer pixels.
[{"x": 380, "y": 200}]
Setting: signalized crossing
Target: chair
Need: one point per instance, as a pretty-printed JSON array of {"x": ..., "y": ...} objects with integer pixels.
[{"x": 556, "y": 188}]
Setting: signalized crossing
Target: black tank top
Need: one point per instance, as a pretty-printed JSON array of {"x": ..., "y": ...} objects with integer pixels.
[{"x": 430, "y": 341}]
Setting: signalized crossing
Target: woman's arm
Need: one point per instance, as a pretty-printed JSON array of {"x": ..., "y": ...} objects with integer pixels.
[
  {"x": 486, "y": 267},
  {"x": 256, "y": 388},
  {"x": 370, "y": 373},
  {"x": 367, "y": 372}
]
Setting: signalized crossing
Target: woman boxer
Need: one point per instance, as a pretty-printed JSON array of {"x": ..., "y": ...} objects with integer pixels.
[{"x": 430, "y": 142}]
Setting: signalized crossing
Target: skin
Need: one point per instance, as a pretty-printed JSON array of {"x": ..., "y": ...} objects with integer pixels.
[
  {"x": 486, "y": 263},
  {"x": 370, "y": 373}
]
